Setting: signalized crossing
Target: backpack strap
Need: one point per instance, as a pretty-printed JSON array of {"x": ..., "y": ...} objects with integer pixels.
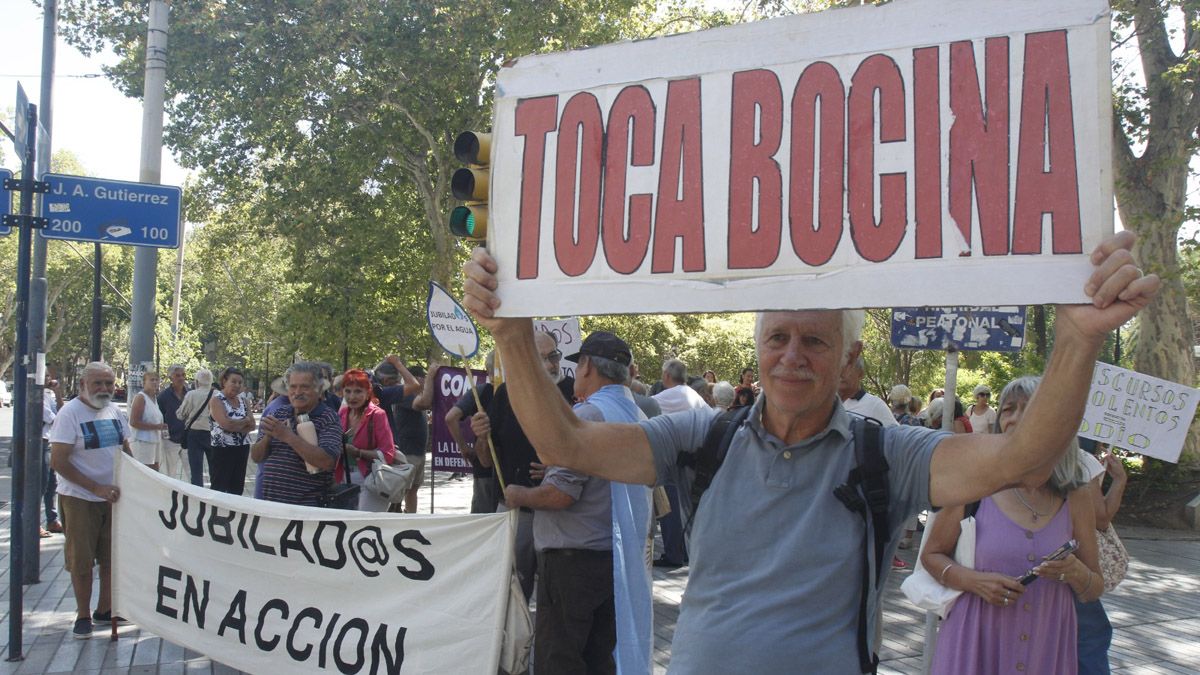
[
  {"x": 865, "y": 492},
  {"x": 707, "y": 459}
]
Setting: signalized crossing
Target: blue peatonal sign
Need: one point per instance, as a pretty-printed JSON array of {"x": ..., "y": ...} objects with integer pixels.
[
  {"x": 988, "y": 329},
  {"x": 5, "y": 200},
  {"x": 111, "y": 211}
]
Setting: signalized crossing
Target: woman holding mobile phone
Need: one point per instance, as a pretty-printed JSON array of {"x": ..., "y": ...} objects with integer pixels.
[{"x": 999, "y": 625}]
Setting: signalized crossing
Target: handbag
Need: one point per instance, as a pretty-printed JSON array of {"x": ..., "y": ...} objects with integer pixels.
[
  {"x": 926, "y": 592},
  {"x": 188, "y": 426},
  {"x": 1114, "y": 559},
  {"x": 342, "y": 496},
  {"x": 387, "y": 481}
]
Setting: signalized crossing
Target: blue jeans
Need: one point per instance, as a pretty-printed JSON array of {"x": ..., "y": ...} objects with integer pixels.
[
  {"x": 197, "y": 450},
  {"x": 1095, "y": 635}
]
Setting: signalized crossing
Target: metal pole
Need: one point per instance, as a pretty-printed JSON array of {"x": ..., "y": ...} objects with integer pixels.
[
  {"x": 34, "y": 471},
  {"x": 145, "y": 258},
  {"x": 931, "y": 619},
  {"x": 20, "y": 394},
  {"x": 97, "y": 301},
  {"x": 178, "y": 283}
]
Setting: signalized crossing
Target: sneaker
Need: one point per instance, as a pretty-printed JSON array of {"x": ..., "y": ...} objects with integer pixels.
[
  {"x": 107, "y": 617},
  {"x": 82, "y": 629}
]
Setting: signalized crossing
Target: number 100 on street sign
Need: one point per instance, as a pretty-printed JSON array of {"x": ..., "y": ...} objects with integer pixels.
[{"x": 111, "y": 212}]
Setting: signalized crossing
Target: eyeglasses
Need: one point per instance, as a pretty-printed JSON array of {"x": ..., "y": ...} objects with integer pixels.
[{"x": 553, "y": 357}]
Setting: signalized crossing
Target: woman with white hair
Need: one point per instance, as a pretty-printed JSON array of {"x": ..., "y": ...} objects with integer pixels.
[
  {"x": 194, "y": 414},
  {"x": 147, "y": 422},
  {"x": 999, "y": 624}
]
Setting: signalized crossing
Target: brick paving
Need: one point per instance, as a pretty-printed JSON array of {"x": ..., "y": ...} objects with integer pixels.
[{"x": 1155, "y": 612}]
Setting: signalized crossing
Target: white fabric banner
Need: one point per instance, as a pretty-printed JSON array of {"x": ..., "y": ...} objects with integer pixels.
[
  {"x": 272, "y": 588},
  {"x": 1137, "y": 412}
]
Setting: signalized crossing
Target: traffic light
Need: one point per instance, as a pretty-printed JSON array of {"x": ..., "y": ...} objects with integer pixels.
[{"x": 470, "y": 184}]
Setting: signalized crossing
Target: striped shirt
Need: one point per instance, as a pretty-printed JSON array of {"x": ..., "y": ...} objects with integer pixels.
[{"x": 284, "y": 476}]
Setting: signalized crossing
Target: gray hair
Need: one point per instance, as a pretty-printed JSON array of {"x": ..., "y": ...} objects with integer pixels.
[
  {"x": 312, "y": 368},
  {"x": 723, "y": 393},
  {"x": 97, "y": 367},
  {"x": 171, "y": 369},
  {"x": 676, "y": 370},
  {"x": 617, "y": 373},
  {"x": 853, "y": 321},
  {"x": 204, "y": 377},
  {"x": 1070, "y": 473}
]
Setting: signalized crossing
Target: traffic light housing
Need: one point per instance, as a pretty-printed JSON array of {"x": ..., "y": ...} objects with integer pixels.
[{"x": 470, "y": 184}]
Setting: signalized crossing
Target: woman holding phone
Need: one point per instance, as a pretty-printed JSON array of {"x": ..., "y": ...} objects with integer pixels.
[{"x": 998, "y": 624}]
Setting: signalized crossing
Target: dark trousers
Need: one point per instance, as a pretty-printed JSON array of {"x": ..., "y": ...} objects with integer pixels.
[
  {"x": 575, "y": 629},
  {"x": 227, "y": 468},
  {"x": 486, "y": 495},
  {"x": 671, "y": 527},
  {"x": 49, "y": 484},
  {"x": 198, "y": 448}
]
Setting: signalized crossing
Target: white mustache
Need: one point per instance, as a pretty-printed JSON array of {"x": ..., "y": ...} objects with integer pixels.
[{"x": 794, "y": 373}]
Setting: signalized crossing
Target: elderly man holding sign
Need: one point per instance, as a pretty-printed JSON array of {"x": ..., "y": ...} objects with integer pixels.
[{"x": 777, "y": 565}]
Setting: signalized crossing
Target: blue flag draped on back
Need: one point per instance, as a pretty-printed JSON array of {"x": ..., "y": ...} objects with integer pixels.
[{"x": 632, "y": 583}]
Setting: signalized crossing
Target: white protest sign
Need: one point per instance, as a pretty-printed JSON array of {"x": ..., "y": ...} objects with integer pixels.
[
  {"x": 449, "y": 323},
  {"x": 835, "y": 159},
  {"x": 273, "y": 588},
  {"x": 566, "y": 335},
  {"x": 1137, "y": 412}
]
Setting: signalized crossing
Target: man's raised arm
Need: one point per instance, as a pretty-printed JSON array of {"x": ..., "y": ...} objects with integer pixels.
[
  {"x": 619, "y": 452},
  {"x": 970, "y": 466}
]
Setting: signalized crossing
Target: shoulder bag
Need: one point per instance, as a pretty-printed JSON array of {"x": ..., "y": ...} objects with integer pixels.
[
  {"x": 387, "y": 481},
  {"x": 187, "y": 427},
  {"x": 342, "y": 496},
  {"x": 1114, "y": 559}
]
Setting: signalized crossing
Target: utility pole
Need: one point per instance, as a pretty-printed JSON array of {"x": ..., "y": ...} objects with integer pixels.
[
  {"x": 145, "y": 258},
  {"x": 34, "y": 466}
]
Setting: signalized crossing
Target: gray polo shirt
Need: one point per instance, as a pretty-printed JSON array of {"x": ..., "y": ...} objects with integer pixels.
[
  {"x": 588, "y": 522},
  {"x": 776, "y": 559}
]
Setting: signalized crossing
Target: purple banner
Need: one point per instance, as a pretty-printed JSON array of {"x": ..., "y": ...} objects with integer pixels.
[{"x": 450, "y": 386}]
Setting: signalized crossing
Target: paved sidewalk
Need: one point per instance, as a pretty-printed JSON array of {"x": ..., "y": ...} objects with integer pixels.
[{"x": 1155, "y": 612}]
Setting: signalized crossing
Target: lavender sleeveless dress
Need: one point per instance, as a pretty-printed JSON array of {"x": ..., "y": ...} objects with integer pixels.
[{"x": 1035, "y": 634}]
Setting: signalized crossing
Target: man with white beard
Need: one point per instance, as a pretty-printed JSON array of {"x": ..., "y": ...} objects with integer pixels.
[
  {"x": 519, "y": 462},
  {"x": 85, "y": 439}
]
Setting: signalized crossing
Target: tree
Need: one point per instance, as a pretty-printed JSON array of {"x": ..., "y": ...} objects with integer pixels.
[{"x": 1159, "y": 115}]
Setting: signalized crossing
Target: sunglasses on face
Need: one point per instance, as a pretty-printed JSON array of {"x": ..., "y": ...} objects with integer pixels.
[{"x": 553, "y": 357}]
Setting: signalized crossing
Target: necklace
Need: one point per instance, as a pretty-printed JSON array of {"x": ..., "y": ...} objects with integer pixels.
[{"x": 1032, "y": 510}]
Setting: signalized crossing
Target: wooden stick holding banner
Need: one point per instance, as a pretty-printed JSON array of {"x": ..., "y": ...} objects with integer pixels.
[{"x": 451, "y": 327}]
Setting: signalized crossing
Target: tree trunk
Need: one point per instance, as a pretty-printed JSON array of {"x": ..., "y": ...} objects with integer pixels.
[{"x": 1151, "y": 204}]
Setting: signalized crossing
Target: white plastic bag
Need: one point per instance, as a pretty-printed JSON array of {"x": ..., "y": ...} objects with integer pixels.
[{"x": 922, "y": 589}]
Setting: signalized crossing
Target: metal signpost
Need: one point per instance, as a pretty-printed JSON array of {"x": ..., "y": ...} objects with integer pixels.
[
  {"x": 5, "y": 200},
  {"x": 111, "y": 211}
]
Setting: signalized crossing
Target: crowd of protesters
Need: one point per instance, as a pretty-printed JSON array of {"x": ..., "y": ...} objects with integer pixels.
[{"x": 320, "y": 439}]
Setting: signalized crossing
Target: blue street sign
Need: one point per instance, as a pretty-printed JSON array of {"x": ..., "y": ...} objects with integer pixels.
[
  {"x": 987, "y": 329},
  {"x": 6, "y": 200},
  {"x": 111, "y": 211}
]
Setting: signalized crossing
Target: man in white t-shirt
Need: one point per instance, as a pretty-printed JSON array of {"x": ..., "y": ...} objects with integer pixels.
[
  {"x": 857, "y": 400},
  {"x": 84, "y": 441}
]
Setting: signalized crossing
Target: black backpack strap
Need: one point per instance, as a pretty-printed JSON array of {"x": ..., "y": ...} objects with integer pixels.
[
  {"x": 865, "y": 492},
  {"x": 707, "y": 459}
]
